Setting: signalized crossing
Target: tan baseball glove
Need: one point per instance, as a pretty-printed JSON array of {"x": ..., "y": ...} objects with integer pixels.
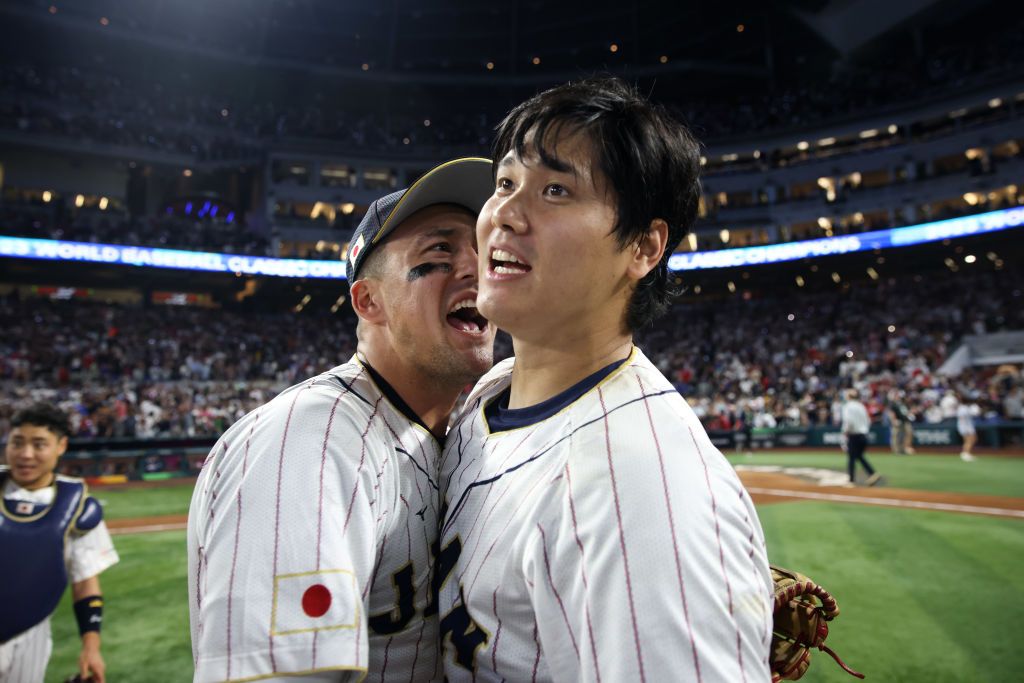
[{"x": 800, "y": 623}]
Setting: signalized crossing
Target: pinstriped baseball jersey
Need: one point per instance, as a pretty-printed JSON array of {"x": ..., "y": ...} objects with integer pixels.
[
  {"x": 605, "y": 539},
  {"x": 309, "y": 538},
  {"x": 24, "y": 657}
]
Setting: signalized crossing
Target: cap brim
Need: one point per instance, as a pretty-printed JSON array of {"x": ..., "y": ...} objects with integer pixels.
[{"x": 465, "y": 182}]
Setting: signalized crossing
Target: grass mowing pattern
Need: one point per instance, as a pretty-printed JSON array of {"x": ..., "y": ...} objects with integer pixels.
[
  {"x": 145, "y": 631},
  {"x": 994, "y": 476}
]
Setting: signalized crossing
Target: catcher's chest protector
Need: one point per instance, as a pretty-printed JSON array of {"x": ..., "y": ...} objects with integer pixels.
[{"x": 32, "y": 536}]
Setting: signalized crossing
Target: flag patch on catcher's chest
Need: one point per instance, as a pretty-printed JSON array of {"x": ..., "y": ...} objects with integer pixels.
[{"x": 314, "y": 601}]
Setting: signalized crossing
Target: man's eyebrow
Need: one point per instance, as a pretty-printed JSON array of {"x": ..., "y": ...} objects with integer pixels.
[
  {"x": 435, "y": 232},
  {"x": 547, "y": 160}
]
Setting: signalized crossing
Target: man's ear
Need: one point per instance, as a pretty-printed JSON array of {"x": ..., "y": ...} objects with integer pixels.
[
  {"x": 649, "y": 250},
  {"x": 367, "y": 301},
  {"x": 62, "y": 446}
]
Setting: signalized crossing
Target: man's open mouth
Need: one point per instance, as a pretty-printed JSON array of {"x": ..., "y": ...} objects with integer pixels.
[
  {"x": 464, "y": 317},
  {"x": 506, "y": 263}
]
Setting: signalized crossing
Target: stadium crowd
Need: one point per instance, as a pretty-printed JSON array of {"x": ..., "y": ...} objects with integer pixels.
[
  {"x": 159, "y": 371},
  {"x": 774, "y": 360},
  {"x": 783, "y": 361}
]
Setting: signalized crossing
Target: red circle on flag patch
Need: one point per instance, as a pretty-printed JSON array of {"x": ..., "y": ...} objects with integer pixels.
[{"x": 316, "y": 600}]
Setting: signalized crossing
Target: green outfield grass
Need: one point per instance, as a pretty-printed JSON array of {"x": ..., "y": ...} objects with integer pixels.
[
  {"x": 993, "y": 475},
  {"x": 145, "y": 630},
  {"x": 129, "y": 501},
  {"x": 925, "y": 596}
]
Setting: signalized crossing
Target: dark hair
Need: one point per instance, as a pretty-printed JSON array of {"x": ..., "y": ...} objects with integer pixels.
[
  {"x": 44, "y": 415},
  {"x": 650, "y": 159}
]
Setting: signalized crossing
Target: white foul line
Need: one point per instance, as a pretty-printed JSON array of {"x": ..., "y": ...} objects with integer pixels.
[
  {"x": 893, "y": 502},
  {"x": 177, "y": 526}
]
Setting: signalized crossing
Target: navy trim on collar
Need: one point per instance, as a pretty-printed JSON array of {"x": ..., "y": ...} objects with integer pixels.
[
  {"x": 392, "y": 395},
  {"x": 501, "y": 418}
]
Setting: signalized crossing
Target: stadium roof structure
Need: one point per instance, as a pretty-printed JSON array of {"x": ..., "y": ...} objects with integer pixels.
[{"x": 520, "y": 43}]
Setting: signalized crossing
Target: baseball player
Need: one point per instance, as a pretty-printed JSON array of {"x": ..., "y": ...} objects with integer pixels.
[
  {"x": 592, "y": 532},
  {"x": 312, "y": 522},
  {"x": 51, "y": 532}
]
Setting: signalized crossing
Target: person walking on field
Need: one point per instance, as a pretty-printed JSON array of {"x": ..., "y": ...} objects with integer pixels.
[
  {"x": 965, "y": 425},
  {"x": 855, "y": 427}
]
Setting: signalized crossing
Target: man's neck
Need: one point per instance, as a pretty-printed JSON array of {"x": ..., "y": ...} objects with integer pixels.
[
  {"x": 544, "y": 370},
  {"x": 430, "y": 400}
]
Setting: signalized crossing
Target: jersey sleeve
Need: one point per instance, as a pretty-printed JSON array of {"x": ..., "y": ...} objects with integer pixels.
[
  {"x": 650, "y": 564},
  {"x": 90, "y": 553},
  {"x": 284, "y": 528}
]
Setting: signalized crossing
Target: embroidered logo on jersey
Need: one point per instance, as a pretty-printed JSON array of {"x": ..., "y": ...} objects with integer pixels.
[
  {"x": 24, "y": 508},
  {"x": 353, "y": 250},
  {"x": 314, "y": 601}
]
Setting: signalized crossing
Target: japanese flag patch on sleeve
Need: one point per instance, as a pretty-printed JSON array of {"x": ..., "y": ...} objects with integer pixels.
[{"x": 324, "y": 600}]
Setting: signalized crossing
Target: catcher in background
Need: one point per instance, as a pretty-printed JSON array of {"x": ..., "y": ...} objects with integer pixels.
[
  {"x": 592, "y": 531},
  {"x": 51, "y": 532}
]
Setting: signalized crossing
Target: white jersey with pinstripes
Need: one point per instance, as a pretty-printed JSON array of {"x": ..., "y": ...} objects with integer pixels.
[
  {"x": 309, "y": 539},
  {"x": 23, "y": 659},
  {"x": 608, "y": 542}
]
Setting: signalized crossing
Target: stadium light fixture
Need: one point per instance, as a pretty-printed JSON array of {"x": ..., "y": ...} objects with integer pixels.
[
  {"x": 790, "y": 317},
  {"x": 869, "y": 133},
  {"x": 79, "y": 201},
  {"x": 347, "y": 208},
  {"x": 825, "y": 142},
  {"x": 663, "y": 59},
  {"x": 799, "y": 281},
  {"x": 47, "y": 196},
  {"x": 891, "y": 328},
  {"x": 995, "y": 102},
  {"x": 803, "y": 145},
  {"x": 836, "y": 278},
  {"x": 104, "y": 202},
  {"x": 970, "y": 258},
  {"x": 893, "y": 129},
  {"x": 732, "y": 286},
  {"x": 724, "y": 235},
  {"x": 757, "y": 154}
]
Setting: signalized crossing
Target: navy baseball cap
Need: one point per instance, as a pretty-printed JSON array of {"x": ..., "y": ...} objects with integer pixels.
[{"x": 466, "y": 182}]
